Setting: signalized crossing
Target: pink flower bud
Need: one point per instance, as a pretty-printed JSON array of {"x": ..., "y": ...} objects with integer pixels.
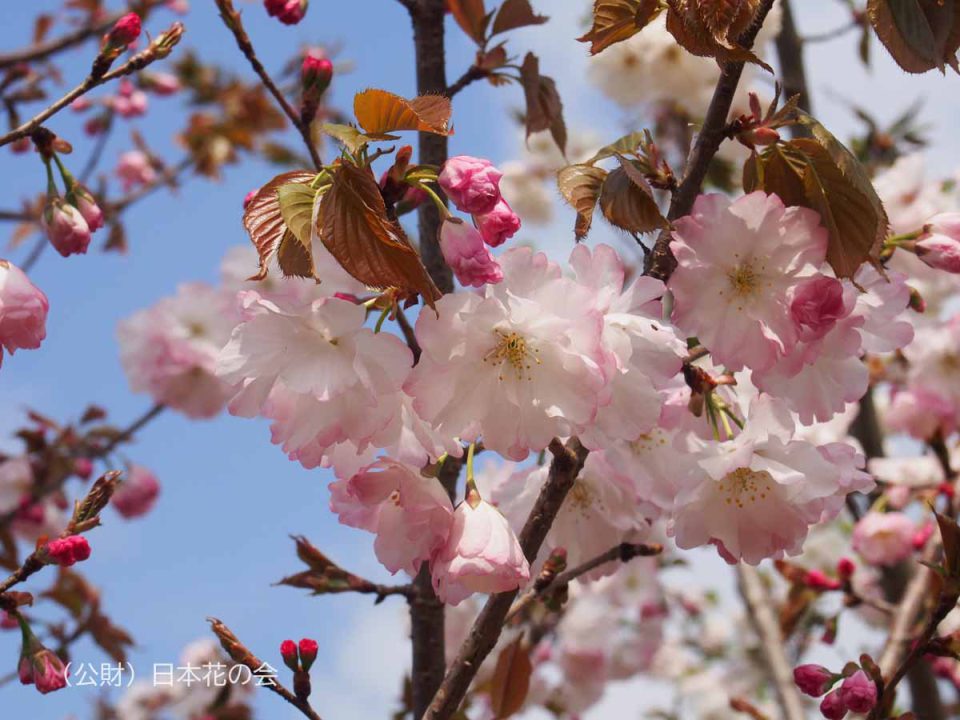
[
  {"x": 939, "y": 246},
  {"x": 833, "y": 707},
  {"x": 23, "y": 311},
  {"x": 819, "y": 581},
  {"x": 137, "y": 494},
  {"x": 43, "y": 669},
  {"x": 288, "y": 651},
  {"x": 18, "y": 147},
  {"x": 308, "y": 652},
  {"x": 83, "y": 468},
  {"x": 498, "y": 225},
  {"x": 83, "y": 200},
  {"x": 813, "y": 680},
  {"x": 816, "y": 306},
  {"x": 8, "y": 621},
  {"x": 81, "y": 104},
  {"x": 472, "y": 184},
  {"x": 846, "y": 568},
  {"x": 124, "y": 31},
  {"x": 921, "y": 536},
  {"x": 66, "y": 228},
  {"x": 858, "y": 692},
  {"x": 465, "y": 252},
  {"x": 289, "y": 12},
  {"x": 68, "y": 551},
  {"x": 315, "y": 74}
]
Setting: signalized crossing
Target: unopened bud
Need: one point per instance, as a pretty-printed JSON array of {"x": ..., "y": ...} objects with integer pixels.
[
  {"x": 65, "y": 227},
  {"x": 845, "y": 568},
  {"x": 124, "y": 31},
  {"x": 288, "y": 651},
  {"x": 308, "y": 652},
  {"x": 315, "y": 76},
  {"x": 289, "y": 12},
  {"x": 164, "y": 43}
]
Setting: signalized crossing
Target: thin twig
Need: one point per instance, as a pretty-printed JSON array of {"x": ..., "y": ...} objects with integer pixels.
[
  {"x": 830, "y": 34},
  {"x": 31, "y": 565},
  {"x": 625, "y": 552},
  {"x": 407, "y": 329},
  {"x": 711, "y": 135},
  {"x": 94, "y": 160},
  {"x": 231, "y": 18},
  {"x": 771, "y": 639},
  {"x": 566, "y": 465},
  {"x": 16, "y": 215},
  {"x": 473, "y": 74}
]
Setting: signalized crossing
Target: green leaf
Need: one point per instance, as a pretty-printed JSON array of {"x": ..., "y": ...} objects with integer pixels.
[
  {"x": 627, "y": 145},
  {"x": 296, "y": 208}
]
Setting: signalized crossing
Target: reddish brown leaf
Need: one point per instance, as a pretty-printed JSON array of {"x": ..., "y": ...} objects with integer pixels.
[
  {"x": 689, "y": 27},
  {"x": 617, "y": 20},
  {"x": 379, "y": 111},
  {"x": 920, "y": 34},
  {"x": 627, "y": 201},
  {"x": 515, "y": 14},
  {"x": 264, "y": 221},
  {"x": 354, "y": 227},
  {"x": 580, "y": 186},
  {"x": 472, "y": 17},
  {"x": 511, "y": 680},
  {"x": 544, "y": 107}
]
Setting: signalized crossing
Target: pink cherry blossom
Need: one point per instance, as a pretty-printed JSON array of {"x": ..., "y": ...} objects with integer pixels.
[
  {"x": 472, "y": 184},
  {"x": 921, "y": 413},
  {"x": 315, "y": 370},
  {"x": 467, "y": 255},
  {"x": 170, "y": 350},
  {"x": 520, "y": 364},
  {"x": 83, "y": 200},
  {"x": 498, "y": 225},
  {"x": 859, "y": 692},
  {"x": 65, "y": 227},
  {"x": 137, "y": 494},
  {"x": 410, "y": 514},
  {"x": 816, "y": 305},
  {"x": 289, "y": 12},
  {"x": 884, "y": 538},
  {"x": 934, "y": 359},
  {"x": 939, "y": 246},
  {"x": 481, "y": 555},
  {"x": 746, "y": 257},
  {"x": 813, "y": 680},
  {"x": 758, "y": 494},
  {"x": 129, "y": 101},
  {"x": 23, "y": 311},
  {"x": 44, "y": 670},
  {"x": 134, "y": 169}
]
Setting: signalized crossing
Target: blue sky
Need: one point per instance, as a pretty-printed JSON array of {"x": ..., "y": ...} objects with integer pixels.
[{"x": 218, "y": 536}]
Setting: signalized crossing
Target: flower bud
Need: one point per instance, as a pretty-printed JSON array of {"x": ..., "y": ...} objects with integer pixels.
[
  {"x": 67, "y": 551},
  {"x": 38, "y": 665},
  {"x": 164, "y": 43},
  {"x": 288, "y": 651},
  {"x": 308, "y": 652},
  {"x": 833, "y": 707},
  {"x": 289, "y": 12},
  {"x": 465, "y": 252},
  {"x": 813, "y": 680},
  {"x": 498, "y": 225},
  {"x": 939, "y": 245},
  {"x": 846, "y": 568},
  {"x": 859, "y": 692},
  {"x": 819, "y": 581},
  {"x": 315, "y": 76},
  {"x": 83, "y": 200},
  {"x": 124, "y": 31},
  {"x": 66, "y": 227},
  {"x": 472, "y": 184}
]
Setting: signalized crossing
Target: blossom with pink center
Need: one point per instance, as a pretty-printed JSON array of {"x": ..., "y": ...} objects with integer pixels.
[
  {"x": 738, "y": 266},
  {"x": 472, "y": 184},
  {"x": 465, "y": 252},
  {"x": 519, "y": 364},
  {"x": 137, "y": 494},
  {"x": 289, "y": 12},
  {"x": 315, "y": 370},
  {"x": 884, "y": 538},
  {"x": 481, "y": 555},
  {"x": 65, "y": 227},
  {"x": 170, "y": 350},
  {"x": 642, "y": 355},
  {"x": 135, "y": 169},
  {"x": 410, "y": 514},
  {"x": 921, "y": 413},
  {"x": 498, "y": 225},
  {"x": 23, "y": 311},
  {"x": 758, "y": 494},
  {"x": 816, "y": 305}
]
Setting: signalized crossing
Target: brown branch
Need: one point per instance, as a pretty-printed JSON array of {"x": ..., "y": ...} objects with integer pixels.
[
  {"x": 31, "y": 565},
  {"x": 790, "y": 58},
  {"x": 231, "y": 18},
  {"x": 134, "y": 64},
  {"x": 661, "y": 260},
  {"x": 765, "y": 623},
  {"x": 624, "y": 553},
  {"x": 407, "y": 329},
  {"x": 473, "y": 74},
  {"x": 567, "y": 463},
  {"x": 16, "y": 215},
  {"x": 68, "y": 40}
]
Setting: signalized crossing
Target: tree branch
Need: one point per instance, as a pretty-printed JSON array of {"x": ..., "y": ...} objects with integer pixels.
[
  {"x": 661, "y": 262},
  {"x": 231, "y": 18},
  {"x": 765, "y": 623},
  {"x": 567, "y": 463},
  {"x": 472, "y": 74}
]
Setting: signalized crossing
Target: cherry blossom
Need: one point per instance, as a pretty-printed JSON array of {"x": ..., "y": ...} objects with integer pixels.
[
  {"x": 884, "y": 538},
  {"x": 23, "y": 311},
  {"x": 472, "y": 184}
]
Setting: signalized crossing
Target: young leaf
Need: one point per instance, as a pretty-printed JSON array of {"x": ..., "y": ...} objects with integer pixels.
[
  {"x": 264, "y": 220},
  {"x": 617, "y": 20},
  {"x": 379, "y": 111},
  {"x": 347, "y": 135},
  {"x": 544, "y": 108},
  {"x": 472, "y": 17},
  {"x": 920, "y": 34},
  {"x": 627, "y": 145},
  {"x": 515, "y": 14},
  {"x": 511, "y": 680},
  {"x": 295, "y": 258},
  {"x": 713, "y": 34},
  {"x": 580, "y": 186},
  {"x": 296, "y": 208},
  {"x": 627, "y": 201},
  {"x": 354, "y": 227}
]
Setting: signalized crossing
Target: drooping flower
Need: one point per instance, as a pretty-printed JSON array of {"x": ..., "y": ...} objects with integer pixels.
[
  {"x": 170, "y": 350},
  {"x": 472, "y": 184},
  {"x": 498, "y": 225},
  {"x": 939, "y": 246},
  {"x": 43, "y": 669},
  {"x": 759, "y": 494},
  {"x": 884, "y": 538},
  {"x": 519, "y": 364},
  {"x": 23, "y": 311},
  {"x": 65, "y": 227},
  {"x": 481, "y": 555},
  {"x": 739, "y": 264},
  {"x": 465, "y": 252},
  {"x": 314, "y": 369},
  {"x": 411, "y": 515}
]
